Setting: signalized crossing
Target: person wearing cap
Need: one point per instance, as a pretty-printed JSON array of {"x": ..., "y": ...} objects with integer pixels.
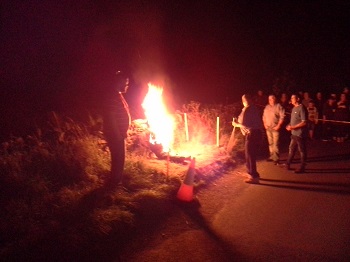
[
  {"x": 116, "y": 122},
  {"x": 250, "y": 123}
]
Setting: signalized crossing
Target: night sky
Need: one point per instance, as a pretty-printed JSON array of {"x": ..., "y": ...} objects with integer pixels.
[{"x": 58, "y": 54}]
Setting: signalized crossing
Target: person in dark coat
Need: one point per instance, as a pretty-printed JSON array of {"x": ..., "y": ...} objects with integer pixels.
[
  {"x": 341, "y": 114},
  {"x": 250, "y": 123},
  {"x": 328, "y": 116},
  {"x": 116, "y": 122}
]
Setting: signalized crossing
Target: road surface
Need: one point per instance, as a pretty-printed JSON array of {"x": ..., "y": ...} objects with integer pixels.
[{"x": 287, "y": 217}]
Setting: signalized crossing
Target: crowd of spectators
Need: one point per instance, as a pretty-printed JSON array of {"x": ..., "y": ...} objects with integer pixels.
[{"x": 328, "y": 114}]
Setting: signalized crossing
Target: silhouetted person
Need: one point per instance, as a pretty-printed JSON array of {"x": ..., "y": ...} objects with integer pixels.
[
  {"x": 328, "y": 114},
  {"x": 250, "y": 123},
  {"x": 116, "y": 121},
  {"x": 342, "y": 115},
  {"x": 286, "y": 104},
  {"x": 260, "y": 100},
  {"x": 319, "y": 103},
  {"x": 306, "y": 99},
  {"x": 312, "y": 117}
]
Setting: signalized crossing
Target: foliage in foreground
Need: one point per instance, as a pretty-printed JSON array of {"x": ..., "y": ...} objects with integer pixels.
[{"x": 52, "y": 195}]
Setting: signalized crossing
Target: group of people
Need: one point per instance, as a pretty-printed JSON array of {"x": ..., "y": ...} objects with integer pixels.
[
  {"x": 300, "y": 116},
  {"x": 327, "y": 118}
]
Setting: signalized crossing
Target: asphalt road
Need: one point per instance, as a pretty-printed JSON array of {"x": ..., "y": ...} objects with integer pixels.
[{"x": 287, "y": 217}]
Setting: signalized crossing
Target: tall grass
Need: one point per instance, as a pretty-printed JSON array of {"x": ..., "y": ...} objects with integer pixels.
[{"x": 51, "y": 185}]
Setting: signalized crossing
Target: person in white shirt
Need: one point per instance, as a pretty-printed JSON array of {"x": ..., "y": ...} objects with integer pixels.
[{"x": 273, "y": 117}]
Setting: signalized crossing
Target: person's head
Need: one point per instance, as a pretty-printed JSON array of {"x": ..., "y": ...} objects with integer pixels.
[
  {"x": 260, "y": 93},
  {"x": 346, "y": 90},
  {"x": 311, "y": 103},
  {"x": 272, "y": 100},
  {"x": 284, "y": 97},
  {"x": 295, "y": 99},
  {"x": 342, "y": 97},
  {"x": 319, "y": 95},
  {"x": 306, "y": 95},
  {"x": 246, "y": 100},
  {"x": 331, "y": 100},
  {"x": 121, "y": 82}
]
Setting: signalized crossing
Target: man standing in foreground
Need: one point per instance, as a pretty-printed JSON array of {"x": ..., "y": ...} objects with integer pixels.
[
  {"x": 250, "y": 123},
  {"x": 273, "y": 117},
  {"x": 298, "y": 128},
  {"x": 116, "y": 121}
]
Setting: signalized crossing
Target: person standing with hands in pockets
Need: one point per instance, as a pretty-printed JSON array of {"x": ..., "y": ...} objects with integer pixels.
[
  {"x": 273, "y": 117},
  {"x": 250, "y": 123}
]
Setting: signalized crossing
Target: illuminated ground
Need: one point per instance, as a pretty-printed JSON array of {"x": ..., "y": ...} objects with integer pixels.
[{"x": 288, "y": 217}]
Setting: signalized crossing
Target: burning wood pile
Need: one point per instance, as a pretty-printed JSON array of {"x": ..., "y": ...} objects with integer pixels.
[
  {"x": 156, "y": 133},
  {"x": 167, "y": 136},
  {"x": 139, "y": 139}
]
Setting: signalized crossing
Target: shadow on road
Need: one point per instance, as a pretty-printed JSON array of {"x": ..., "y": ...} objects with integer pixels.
[
  {"x": 328, "y": 158},
  {"x": 191, "y": 209},
  {"x": 329, "y": 170},
  {"x": 315, "y": 159},
  {"x": 335, "y": 188}
]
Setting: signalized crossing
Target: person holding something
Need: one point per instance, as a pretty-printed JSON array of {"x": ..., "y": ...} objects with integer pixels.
[{"x": 250, "y": 123}]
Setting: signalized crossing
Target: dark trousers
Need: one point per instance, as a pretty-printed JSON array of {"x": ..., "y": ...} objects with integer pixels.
[
  {"x": 252, "y": 141},
  {"x": 117, "y": 150},
  {"x": 300, "y": 143},
  {"x": 327, "y": 131}
]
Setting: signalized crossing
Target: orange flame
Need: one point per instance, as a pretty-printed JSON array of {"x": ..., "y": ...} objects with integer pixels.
[{"x": 160, "y": 122}]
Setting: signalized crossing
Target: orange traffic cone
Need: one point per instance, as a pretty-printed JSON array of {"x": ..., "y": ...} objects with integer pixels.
[{"x": 185, "y": 192}]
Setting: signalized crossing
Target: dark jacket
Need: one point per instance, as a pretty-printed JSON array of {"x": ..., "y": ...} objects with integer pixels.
[{"x": 116, "y": 116}]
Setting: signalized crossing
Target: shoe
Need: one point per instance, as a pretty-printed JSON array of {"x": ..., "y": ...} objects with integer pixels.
[
  {"x": 276, "y": 163},
  {"x": 252, "y": 180},
  {"x": 299, "y": 171}
]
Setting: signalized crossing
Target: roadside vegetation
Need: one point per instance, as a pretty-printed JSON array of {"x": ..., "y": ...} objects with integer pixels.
[{"x": 52, "y": 196}]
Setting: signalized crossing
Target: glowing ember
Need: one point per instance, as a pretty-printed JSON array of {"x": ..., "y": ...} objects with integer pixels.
[{"x": 161, "y": 123}]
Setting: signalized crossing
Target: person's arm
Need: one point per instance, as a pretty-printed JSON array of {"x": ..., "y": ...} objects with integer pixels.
[
  {"x": 264, "y": 118},
  {"x": 281, "y": 114},
  {"x": 236, "y": 123},
  {"x": 301, "y": 124}
]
